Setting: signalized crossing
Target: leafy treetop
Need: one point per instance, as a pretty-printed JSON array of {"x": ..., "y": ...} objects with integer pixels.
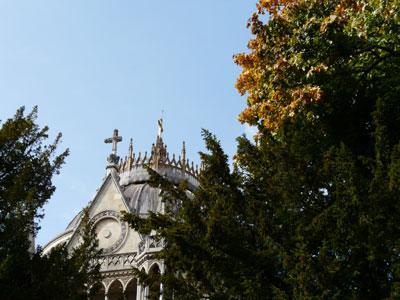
[{"x": 310, "y": 51}]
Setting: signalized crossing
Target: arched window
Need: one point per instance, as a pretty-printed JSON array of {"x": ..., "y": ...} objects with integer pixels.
[
  {"x": 115, "y": 291},
  {"x": 130, "y": 291},
  {"x": 154, "y": 288},
  {"x": 97, "y": 292}
]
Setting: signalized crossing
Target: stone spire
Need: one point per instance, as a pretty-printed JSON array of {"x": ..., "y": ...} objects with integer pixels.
[{"x": 113, "y": 158}]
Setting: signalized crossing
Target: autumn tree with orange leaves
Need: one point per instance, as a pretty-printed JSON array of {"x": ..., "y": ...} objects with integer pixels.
[
  {"x": 322, "y": 80},
  {"x": 308, "y": 50},
  {"x": 311, "y": 209}
]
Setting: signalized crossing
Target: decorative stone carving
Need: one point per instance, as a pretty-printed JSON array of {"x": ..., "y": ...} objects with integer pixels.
[
  {"x": 142, "y": 246},
  {"x": 110, "y": 230},
  {"x": 150, "y": 243},
  {"x": 117, "y": 262},
  {"x": 155, "y": 242}
]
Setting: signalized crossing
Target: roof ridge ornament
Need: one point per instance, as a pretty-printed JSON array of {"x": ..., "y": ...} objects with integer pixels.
[
  {"x": 160, "y": 127},
  {"x": 113, "y": 158},
  {"x": 159, "y": 149}
]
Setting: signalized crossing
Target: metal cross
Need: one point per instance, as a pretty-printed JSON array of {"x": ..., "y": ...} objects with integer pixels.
[{"x": 114, "y": 140}]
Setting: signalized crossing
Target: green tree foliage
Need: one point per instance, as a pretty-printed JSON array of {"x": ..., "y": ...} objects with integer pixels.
[
  {"x": 27, "y": 166},
  {"x": 311, "y": 57},
  {"x": 310, "y": 211},
  {"x": 66, "y": 275},
  {"x": 323, "y": 83},
  {"x": 214, "y": 245}
]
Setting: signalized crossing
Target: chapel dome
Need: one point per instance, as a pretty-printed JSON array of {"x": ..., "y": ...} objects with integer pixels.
[
  {"x": 141, "y": 197},
  {"x": 132, "y": 177}
]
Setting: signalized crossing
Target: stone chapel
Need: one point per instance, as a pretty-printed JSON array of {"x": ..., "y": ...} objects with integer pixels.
[{"x": 126, "y": 188}]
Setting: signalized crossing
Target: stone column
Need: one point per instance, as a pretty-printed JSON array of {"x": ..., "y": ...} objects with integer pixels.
[
  {"x": 162, "y": 270},
  {"x": 138, "y": 291}
]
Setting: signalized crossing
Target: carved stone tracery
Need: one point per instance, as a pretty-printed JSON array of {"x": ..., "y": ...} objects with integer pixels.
[{"x": 110, "y": 214}]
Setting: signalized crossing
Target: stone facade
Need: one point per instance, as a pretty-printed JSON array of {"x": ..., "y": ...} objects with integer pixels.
[{"x": 126, "y": 189}]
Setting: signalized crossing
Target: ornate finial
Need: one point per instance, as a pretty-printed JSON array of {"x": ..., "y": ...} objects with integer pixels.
[
  {"x": 160, "y": 127},
  {"x": 159, "y": 150},
  {"x": 114, "y": 140}
]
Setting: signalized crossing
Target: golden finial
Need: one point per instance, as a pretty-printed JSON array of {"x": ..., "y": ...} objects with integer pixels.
[{"x": 160, "y": 127}]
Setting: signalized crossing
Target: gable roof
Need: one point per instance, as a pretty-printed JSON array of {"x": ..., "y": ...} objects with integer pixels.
[{"x": 110, "y": 179}]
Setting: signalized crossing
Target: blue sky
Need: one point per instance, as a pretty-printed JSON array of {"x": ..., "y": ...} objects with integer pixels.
[{"x": 95, "y": 65}]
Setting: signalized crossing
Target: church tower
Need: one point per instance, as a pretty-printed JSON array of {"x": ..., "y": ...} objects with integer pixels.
[{"x": 126, "y": 188}]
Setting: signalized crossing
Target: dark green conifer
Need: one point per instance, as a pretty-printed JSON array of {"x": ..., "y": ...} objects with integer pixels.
[
  {"x": 311, "y": 210},
  {"x": 27, "y": 166}
]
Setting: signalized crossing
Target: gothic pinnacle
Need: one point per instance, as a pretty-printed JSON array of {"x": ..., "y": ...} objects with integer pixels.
[
  {"x": 183, "y": 155},
  {"x": 131, "y": 148}
]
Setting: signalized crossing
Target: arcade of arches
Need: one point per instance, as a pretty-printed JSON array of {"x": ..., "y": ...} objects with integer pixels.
[{"x": 131, "y": 290}]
